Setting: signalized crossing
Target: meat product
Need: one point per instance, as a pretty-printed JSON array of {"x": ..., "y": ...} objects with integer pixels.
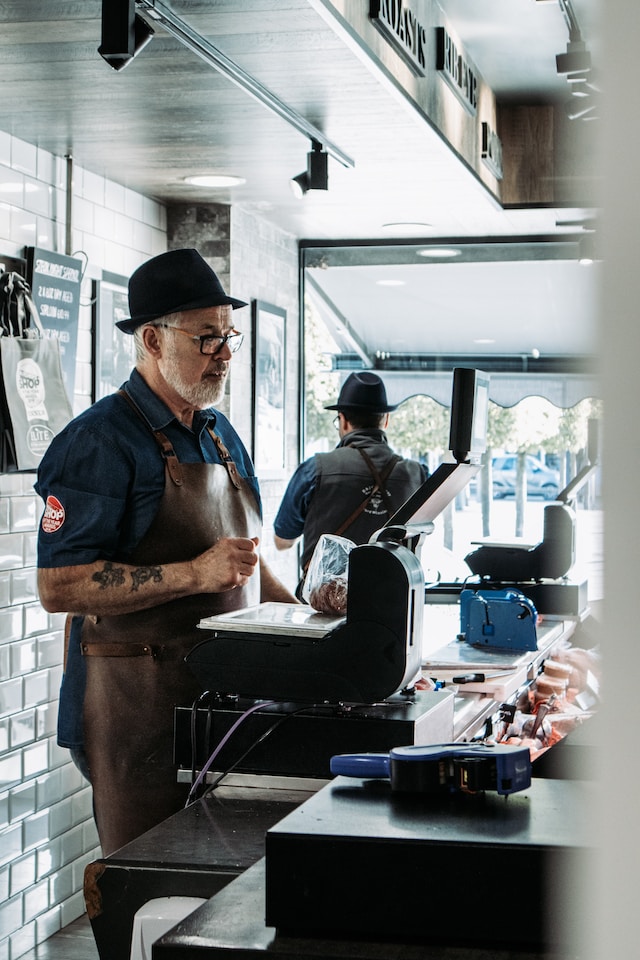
[{"x": 330, "y": 597}]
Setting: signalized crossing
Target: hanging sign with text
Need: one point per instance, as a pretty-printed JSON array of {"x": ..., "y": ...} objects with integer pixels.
[
  {"x": 55, "y": 286},
  {"x": 491, "y": 151},
  {"x": 403, "y": 29},
  {"x": 457, "y": 71}
]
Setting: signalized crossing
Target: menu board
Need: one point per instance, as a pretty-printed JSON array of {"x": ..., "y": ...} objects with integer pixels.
[{"x": 55, "y": 286}]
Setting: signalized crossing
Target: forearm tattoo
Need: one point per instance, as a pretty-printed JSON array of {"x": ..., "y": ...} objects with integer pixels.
[
  {"x": 111, "y": 576},
  {"x": 143, "y": 575}
]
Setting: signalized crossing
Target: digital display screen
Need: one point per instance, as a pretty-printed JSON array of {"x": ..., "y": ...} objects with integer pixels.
[
  {"x": 469, "y": 412},
  {"x": 480, "y": 415}
]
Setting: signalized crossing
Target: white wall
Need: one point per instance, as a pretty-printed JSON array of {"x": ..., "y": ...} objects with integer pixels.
[
  {"x": 47, "y": 834},
  {"x": 264, "y": 266}
]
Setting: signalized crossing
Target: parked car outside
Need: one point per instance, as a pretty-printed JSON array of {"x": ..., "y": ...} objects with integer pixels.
[{"x": 542, "y": 481}]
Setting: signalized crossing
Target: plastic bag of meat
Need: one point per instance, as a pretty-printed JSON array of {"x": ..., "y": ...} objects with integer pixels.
[{"x": 325, "y": 586}]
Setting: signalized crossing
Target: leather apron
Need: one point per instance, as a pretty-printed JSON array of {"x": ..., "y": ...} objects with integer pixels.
[{"x": 136, "y": 673}]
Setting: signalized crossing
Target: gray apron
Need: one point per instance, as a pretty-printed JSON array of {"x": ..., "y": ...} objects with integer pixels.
[{"x": 136, "y": 673}]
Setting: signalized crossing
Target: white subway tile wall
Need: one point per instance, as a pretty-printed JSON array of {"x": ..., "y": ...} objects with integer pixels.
[
  {"x": 264, "y": 266},
  {"x": 47, "y": 834}
]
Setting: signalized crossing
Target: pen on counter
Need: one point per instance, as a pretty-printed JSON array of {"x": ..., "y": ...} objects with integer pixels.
[
  {"x": 470, "y": 678},
  {"x": 481, "y": 677}
]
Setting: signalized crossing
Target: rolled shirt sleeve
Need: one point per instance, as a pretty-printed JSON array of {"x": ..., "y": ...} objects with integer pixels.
[{"x": 289, "y": 521}]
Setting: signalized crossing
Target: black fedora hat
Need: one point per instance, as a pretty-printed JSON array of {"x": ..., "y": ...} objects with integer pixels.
[
  {"x": 173, "y": 281},
  {"x": 363, "y": 391}
]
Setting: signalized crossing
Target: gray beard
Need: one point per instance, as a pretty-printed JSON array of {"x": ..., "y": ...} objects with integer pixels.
[{"x": 200, "y": 395}]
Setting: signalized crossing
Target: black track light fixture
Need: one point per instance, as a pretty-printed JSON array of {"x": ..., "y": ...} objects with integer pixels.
[
  {"x": 124, "y": 33},
  {"x": 576, "y": 62},
  {"x": 316, "y": 176}
]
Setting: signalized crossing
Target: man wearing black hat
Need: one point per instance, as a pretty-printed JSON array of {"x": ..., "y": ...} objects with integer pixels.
[
  {"x": 151, "y": 522},
  {"x": 352, "y": 490}
]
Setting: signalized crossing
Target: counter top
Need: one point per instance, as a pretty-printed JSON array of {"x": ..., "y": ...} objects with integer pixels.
[{"x": 196, "y": 852}]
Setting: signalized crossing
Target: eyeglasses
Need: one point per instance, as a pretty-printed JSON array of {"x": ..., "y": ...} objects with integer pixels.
[
  {"x": 336, "y": 421},
  {"x": 210, "y": 344}
]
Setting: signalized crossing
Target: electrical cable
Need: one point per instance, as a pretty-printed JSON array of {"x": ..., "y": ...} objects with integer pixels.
[
  {"x": 267, "y": 733},
  {"x": 194, "y": 716},
  {"x": 263, "y": 736},
  {"x": 81, "y": 253},
  {"x": 257, "y": 706},
  {"x": 571, "y": 20}
]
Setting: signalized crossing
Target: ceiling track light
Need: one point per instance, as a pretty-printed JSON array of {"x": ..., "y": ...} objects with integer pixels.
[
  {"x": 181, "y": 30},
  {"x": 124, "y": 33},
  {"x": 576, "y": 65},
  {"x": 316, "y": 176},
  {"x": 576, "y": 62}
]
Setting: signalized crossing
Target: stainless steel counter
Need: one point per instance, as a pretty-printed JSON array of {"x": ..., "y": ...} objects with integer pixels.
[{"x": 476, "y": 703}]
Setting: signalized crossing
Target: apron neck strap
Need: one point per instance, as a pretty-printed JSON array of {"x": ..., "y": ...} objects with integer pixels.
[
  {"x": 166, "y": 447},
  {"x": 227, "y": 461}
]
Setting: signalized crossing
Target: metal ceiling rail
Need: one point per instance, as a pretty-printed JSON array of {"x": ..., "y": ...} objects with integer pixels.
[{"x": 160, "y": 12}]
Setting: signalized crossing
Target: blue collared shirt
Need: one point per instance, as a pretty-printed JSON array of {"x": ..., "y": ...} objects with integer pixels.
[{"x": 289, "y": 521}]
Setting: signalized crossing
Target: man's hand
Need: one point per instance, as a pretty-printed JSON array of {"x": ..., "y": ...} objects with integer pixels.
[{"x": 226, "y": 565}]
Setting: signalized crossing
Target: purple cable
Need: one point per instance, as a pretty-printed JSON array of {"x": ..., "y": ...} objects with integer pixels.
[{"x": 230, "y": 731}]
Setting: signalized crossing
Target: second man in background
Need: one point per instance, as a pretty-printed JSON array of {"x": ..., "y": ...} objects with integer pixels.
[{"x": 353, "y": 490}]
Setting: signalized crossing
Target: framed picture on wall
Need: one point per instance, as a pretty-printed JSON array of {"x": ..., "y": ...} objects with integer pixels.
[
  {"x": 113, "y": 351},
  {"x": 268, "y": 386}
]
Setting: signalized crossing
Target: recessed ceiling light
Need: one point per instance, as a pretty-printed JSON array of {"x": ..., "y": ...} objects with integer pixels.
[
  {"x": 214, "y": 180},
  {"x": 411, "y": 224},
  {"x": 390, "y": 283},
  {"x": 484, "y": 340},
  {"x": 439, "y": 253}
]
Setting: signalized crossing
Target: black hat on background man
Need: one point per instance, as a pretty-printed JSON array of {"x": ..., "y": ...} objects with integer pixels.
[
  {"x": 365, "y": 392},
  {"x": 171, "y": 282}
]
